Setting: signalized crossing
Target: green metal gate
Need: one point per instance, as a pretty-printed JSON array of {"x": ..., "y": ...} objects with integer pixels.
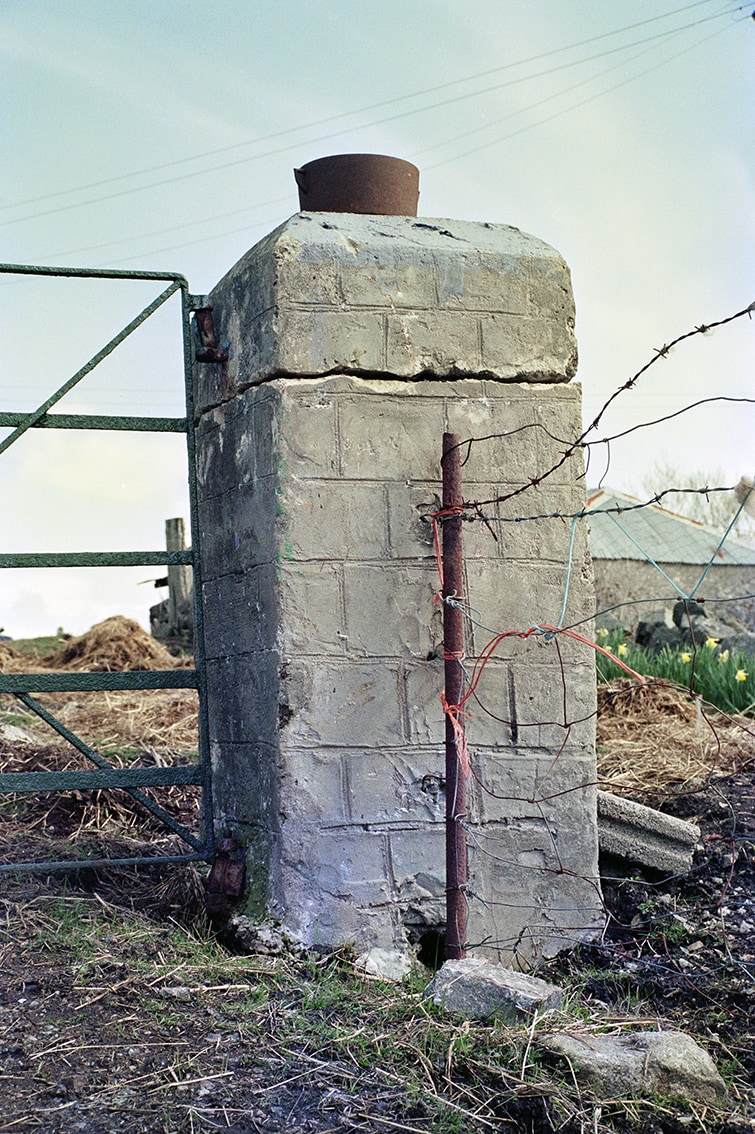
[{"x": 200, "y": 845}]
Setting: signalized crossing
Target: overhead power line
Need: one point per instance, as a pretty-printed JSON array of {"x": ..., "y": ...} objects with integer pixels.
[
  {"x": 390, "y": 118},
  {"x": 164, "y": 231},
  {"x": 650, "y": 43},
  {"x": 564, "y": 110}
]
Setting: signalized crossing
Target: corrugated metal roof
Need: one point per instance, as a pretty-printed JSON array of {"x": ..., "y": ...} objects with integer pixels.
[{"x": 661, "y": 535}]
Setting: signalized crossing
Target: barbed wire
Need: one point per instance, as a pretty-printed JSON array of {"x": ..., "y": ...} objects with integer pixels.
[
  {"x": 580, "y": 442},
  {"x": 541, "y": 928},
  {"x": 471, "y": 508}
]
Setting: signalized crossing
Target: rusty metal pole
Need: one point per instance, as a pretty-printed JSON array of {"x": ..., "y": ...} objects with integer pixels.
[{"x": 453, "y": 647}]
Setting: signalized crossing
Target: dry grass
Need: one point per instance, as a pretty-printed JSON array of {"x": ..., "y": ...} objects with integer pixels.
[
  {"x": 163, "y": 720},
  {"x": 654, "y": 738},
  {"x": 73, "y": 817},
  {"x": 299, "y": 1043},
  {"x": 11, "y": 661}
]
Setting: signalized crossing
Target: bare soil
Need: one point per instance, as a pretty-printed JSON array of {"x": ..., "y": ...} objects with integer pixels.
[
  {"x": 119, "y": 1011},
  {"x": 122, "y": 1010}
]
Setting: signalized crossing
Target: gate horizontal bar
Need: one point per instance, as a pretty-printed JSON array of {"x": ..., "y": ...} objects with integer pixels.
[
  {"x": 92, "y": 273},
  {"x": 99, "y": 421},
  {"x": 96, "y": 558},
  {"x": 82, "y": 682},
  {"x": 86, "y": 780},
  {"x": 100, "y": 863}
]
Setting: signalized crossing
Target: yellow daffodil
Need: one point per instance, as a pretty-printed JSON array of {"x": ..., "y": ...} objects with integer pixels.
[
  {"x": 686, "y": 658},
  {"x": 740, "y": 675},
  {"x": 608, "y": 649},
  {"x": 711, "y": 643},
  {"x": 622, "y": 649},
  {"x": 723, "y": 656},
  {"x": 602, "y": 632}
]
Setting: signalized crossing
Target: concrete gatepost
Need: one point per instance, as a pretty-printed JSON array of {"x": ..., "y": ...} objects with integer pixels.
[{"x": 353, "y": 343}]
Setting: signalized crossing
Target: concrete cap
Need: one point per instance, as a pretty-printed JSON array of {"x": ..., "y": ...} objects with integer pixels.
[{"x": 393, "y": 296}]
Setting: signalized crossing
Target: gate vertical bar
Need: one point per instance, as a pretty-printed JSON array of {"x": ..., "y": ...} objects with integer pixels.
[
  {"x": 200, "y": 663},
  {"x": 453, "y": 651}
]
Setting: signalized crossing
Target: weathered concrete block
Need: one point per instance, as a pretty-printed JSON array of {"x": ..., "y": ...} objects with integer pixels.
[
  {"x": 643, "y": 835},
  {"x": 246, "y": 618},
  {"x": 394, "y": 295},
  {"x": 407, "y": 441},
  {"x": 309, "y": 443},
  {"x": 335, "y": 886},
  {"x": 410, "y": 506},
  {"x": 344, "y": 703},
  {"x": 392, "y": 785},
  {"x": 423, "y": 683},
  {"x": 321, "y": 341},
  {"x": 412, "y": 341},
  {"x": 239, "y": 527},
  {"x": 529, "y": 784},
  {"x": 310, "y": 596},
  {"x": 318, "y": 473},
  {"x": 243, "y": 694},
  {"x": 316, "y": 788},
  {"x": 349, "y": 524},
  {"x": 387, "y": 610}
]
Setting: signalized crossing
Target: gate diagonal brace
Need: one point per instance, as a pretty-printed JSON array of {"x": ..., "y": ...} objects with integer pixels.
[{"x": 194, "y": 774}]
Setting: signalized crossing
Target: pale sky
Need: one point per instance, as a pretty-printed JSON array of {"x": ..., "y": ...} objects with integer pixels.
[{"x": 162, "y": 135}]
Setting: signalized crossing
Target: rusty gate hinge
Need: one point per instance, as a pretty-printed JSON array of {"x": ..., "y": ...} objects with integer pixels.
[
  {"x": 208, "y": 349},
  {"x": 226, "y": 879}
]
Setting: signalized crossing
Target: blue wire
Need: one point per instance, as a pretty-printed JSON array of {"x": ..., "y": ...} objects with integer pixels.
[
  {"x": 648, "y": 557},
  {"x": 567, "y": 583},
  {"x": 693, "y": 592}
]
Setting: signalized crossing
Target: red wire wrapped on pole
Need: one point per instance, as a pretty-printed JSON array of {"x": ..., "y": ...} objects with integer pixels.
[{"x": 453, "y": 650}]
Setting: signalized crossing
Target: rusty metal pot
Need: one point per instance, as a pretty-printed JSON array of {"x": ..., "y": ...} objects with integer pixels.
[{"x": 359, "y": 183}]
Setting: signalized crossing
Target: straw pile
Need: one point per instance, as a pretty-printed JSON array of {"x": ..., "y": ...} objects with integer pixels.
[
  {"x": 162, "y": 720},
  {"x": 116, "y": 644},
  {"x": 654, "y": 738},
  {"x": 11, "y": 661}
]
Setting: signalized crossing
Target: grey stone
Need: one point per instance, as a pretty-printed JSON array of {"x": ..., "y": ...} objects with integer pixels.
[
  {"x": 262, "y": 938},
  {"x": 654, "y": 637},
  {"x": 645, "y": 836},
  {"x": 385, "y": 964},
  {"x": 684, "y": 611},
  {"x": 16, "y": 734},
  {"x": 669, "y": 1064},
  {"x": 474, "y": 987},
  {"x": 693, "y": 630}
]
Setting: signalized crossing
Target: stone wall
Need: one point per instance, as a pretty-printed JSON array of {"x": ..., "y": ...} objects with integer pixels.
[
  {"x": 627, "y": 580},
  {"x": 324, "y": 639}
]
